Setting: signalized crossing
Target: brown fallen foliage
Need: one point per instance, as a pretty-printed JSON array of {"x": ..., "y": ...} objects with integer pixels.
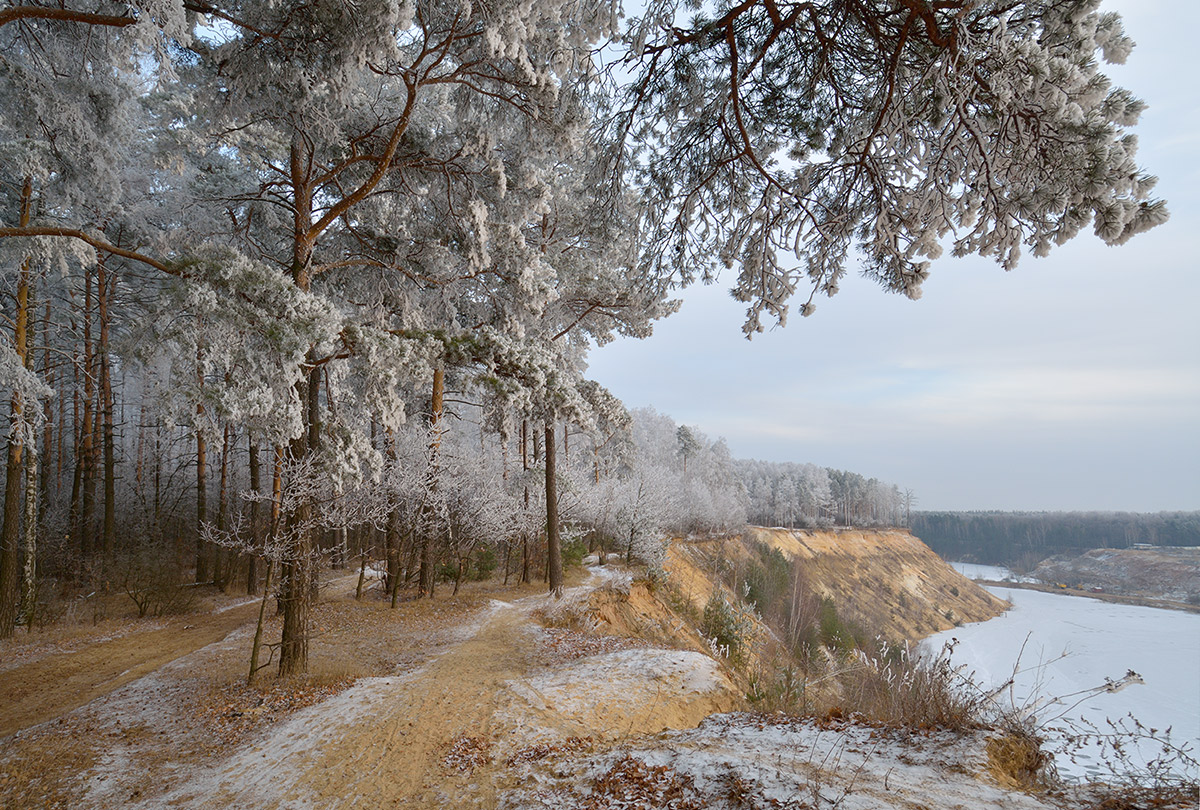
[
  {"x": 240, "y": 709},
  {"x": 467, "y": 753},
  {"x": 560, "y": 645},
  {"x": 540, "y": 751},
  {"x": 632, "y": 783}
]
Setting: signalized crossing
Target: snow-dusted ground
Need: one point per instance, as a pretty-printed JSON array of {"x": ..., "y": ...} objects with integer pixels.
[
  {"x": 1072, "y": 644},
  {"x": 737, "y": 761},
  {"x": 991, "y": 573}
]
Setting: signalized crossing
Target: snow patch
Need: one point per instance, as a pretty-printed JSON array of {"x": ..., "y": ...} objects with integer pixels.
[
  {"x": 785, "y": 763},
  {"x": 618, "y": 693}
]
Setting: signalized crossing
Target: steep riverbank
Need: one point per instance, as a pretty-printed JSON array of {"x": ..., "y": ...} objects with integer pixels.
[{"x": 883, "y": 579}]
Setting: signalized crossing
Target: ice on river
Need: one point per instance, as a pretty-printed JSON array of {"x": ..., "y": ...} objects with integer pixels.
[
  {"x": 991, "y": 573},
  {"x": 1069, "y": 644}
]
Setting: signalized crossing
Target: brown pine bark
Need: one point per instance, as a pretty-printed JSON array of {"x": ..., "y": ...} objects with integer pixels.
[
  {"x": 224, "y": 560},
  {"x": 203, "y": 569},
  {"x": 255, "y": 519},
  {"x": 85, "y": 457},
  {"x": 553, "y": 538},
  {"x": 10, "y": 532},
  {"x": 307, "y": 226},
  {"x": 295, "y": 589},
  {"x": 108, "y": 535},
  {"x": 294, "y": 586}
]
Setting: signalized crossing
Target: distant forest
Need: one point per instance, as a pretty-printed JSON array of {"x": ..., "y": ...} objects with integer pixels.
[
  {"x": 1020, "y": 540},
  {"x": 809, "y": 496}
]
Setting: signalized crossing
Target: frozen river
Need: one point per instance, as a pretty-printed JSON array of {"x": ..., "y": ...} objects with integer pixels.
[{"x": 1072, "y": 644}]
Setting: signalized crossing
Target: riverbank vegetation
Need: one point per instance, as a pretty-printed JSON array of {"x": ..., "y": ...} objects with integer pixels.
[{"x": 1020, "y": 540}]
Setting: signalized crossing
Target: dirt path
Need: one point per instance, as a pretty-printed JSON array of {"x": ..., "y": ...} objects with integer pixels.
[
  {"x": 384, "y": 742},
  {"x": 52, "y": 686},
  {"x": 479, "y": 673}
]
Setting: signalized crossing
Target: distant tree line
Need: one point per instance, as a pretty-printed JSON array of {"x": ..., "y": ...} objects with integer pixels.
[
  {"x": 1020, "y": 540},
  {"x": 809, "y": 496}
]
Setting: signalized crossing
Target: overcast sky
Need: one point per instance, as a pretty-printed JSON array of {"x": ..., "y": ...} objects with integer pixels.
[{"x": 1072, "y": 382}]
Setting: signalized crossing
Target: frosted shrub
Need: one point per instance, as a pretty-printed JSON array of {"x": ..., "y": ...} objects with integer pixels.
[{"x": 724, "y": 627}]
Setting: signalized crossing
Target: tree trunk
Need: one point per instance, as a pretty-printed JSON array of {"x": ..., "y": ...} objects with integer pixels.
[
  {"x": 296, "y": 588},
  {"x": 224, "y": 558},
  {"x": 255, "y": 509},
  {"x": 258, "y": 629},
  {"x": 84, "y": 457},
  {"x": 76, "y": 502},
  {"x": 203, "y": 572},
  {"x": 553, "y": 540},
  {"x": 92, "y": 479},
  {"x": 32, "y": 503},
  {"x": 391, "y": 531},
  {"x": 425, "y": 585},
  {"x": 10, "y": 532},
  {"x": 157, "y": 476},
  {"x": 29, "y": 580},
  {"x": 109, "y": 531},
  {"x": 48, "y": 436},
  {"x": 393, "y": 556},
  {"x": 297, "y": 563},
  {"x": 525, "y": 470}
]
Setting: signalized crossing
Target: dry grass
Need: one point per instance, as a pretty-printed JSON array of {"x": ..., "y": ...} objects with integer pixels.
[
  {"x": 561, "y": 645},
  {"x": 39, "y": 773},
  {"x": 1016, "y": 759},
  {"x": 896, "y": 686},
  {"x": 1157, "y": 797}
]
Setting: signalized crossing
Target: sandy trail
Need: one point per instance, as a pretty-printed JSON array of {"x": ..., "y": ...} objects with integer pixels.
[
  {"x": 52, "y": 686},
  {"x": 383, "y": 742}
]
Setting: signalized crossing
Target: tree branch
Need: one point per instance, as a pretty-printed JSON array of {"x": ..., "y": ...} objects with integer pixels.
[
  {"x": 94, "y": 241},
  {"x": 65, "y": 15}
]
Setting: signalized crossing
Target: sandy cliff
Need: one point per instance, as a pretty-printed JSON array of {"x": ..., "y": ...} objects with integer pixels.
[{"x": 884, "y": 580}]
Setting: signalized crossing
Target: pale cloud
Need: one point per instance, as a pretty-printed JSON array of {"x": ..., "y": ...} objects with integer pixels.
[{"x": 1078, "y": 399}]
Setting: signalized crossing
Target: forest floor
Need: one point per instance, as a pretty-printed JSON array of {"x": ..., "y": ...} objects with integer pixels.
[
  {"x": 498, "y": 697},
  {"x": 155, "y": 713}
]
